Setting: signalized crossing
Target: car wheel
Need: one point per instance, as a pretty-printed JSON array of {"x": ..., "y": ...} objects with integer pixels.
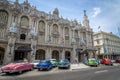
[
  {"x": 38, "y": 69},
  {"x": 31, "y": 68},
  {"x": 20, "y": 72},
  {"x": 59, "y": 67},
  {"x": 68, "y": 67},
  {"x": 7, "y": 73}
]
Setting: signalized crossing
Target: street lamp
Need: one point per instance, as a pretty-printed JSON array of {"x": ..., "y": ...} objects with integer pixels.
[
  {"x": 33, "y": 49},
  {"x": 10, "y": 45}
]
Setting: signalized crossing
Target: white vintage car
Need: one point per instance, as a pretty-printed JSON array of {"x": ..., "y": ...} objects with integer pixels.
[{"x": 35, "y": 62}]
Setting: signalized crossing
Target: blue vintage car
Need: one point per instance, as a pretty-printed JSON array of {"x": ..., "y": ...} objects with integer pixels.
[
  {"x": 63, "y": 63},
  {"x": 44, "y": 64}
]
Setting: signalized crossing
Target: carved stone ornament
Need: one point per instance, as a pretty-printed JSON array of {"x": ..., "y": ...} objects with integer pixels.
[
  {"x": 16, "y": 9},
  {"x": 55, "y": 34},
  {"x": 3, "y": 3}
]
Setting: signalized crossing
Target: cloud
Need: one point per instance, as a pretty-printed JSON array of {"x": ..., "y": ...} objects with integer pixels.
[{"x": 97, "y": 11}]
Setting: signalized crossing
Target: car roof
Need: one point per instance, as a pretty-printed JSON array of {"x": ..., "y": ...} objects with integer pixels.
[
  {"x": 92, "y": 59},
  {"x": 52, "y": 59}
]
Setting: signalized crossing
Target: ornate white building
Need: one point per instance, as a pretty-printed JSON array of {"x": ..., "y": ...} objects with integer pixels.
[
  {"x": 108, "y": 45},
  {"x": 28, "y": 33}
]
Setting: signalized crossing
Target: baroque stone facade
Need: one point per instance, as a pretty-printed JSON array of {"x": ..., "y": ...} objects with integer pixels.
[{"x": 28, "y": 33}]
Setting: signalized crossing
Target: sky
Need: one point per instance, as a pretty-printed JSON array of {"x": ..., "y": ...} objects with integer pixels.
[{"x": 103, "y": 13}]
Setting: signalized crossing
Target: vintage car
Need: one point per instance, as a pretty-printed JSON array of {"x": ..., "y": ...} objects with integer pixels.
[
  {"x": 54, "y": 62},
  {"x": 92, "y": 62},
  {"x": 44, "y": 64},
  {"x": 106, "y": 61},
  {"x": 35, "y": 62},
  {"x": 117, "y": 61},
  {"x": 17, "y": 67},
  {"x": 63, "y": 63}
]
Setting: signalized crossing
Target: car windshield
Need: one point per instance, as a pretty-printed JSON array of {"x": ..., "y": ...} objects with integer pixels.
[
  {"x": 63, "y": 60},
  {"x": 43, "y": 61},
  {"x": 92, "y": 60},
  {"x": 19, "y": 61},
  {"x": 53, "y": 60}
]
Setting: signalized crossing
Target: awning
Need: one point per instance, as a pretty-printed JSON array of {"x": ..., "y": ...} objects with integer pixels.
[{"x": 23, "y": 49}]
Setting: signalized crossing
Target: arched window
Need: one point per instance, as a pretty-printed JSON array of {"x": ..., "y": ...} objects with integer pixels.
[
  {"x": 3, "y": 17},
  {"x": 76, "y": 33},
  {"x": 55, "y": 28},
  {"x": 24, "y": 21},
  {"x": 3, "y": 23},
  {"x": 41, "y": 25},
  {"x": 66, "y": 31},
  {"x": 40, "y": 54},
  {"x": 22, "y": 36}
]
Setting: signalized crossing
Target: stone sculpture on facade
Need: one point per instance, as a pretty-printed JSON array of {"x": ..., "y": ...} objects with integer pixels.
[{"x": 13, "y": 28}]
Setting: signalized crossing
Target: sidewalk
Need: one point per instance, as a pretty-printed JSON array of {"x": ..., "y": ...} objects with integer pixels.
[
  {"x": 78, "y": 66},
  {"x": 0, "y": 68}
]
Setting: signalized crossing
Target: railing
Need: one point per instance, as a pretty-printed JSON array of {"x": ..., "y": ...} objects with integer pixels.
[{"x": 23, "y": 41}]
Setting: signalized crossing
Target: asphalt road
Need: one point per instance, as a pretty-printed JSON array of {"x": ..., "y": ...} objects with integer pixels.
[{"x": 105, "y": 73}]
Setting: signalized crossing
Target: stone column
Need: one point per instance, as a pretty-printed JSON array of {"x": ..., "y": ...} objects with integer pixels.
[
  {"x": 47, "y": 53},
  {"x": 50, "y": 53},
  {"x": 33, "y": 47},
  {"x": 9, "y": 55}
]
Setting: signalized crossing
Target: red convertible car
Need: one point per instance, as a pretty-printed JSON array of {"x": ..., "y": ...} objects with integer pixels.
[
  {"x": 106, "y": 61},
  {"x": 17, "y": 67}
]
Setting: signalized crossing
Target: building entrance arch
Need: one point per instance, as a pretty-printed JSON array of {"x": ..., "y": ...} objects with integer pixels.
[
  {"x": 55, "y": 55},
  {"x": 2, "y": 51},
  {"x": 22, "y": 52},
  {"x": 67, "y": 55},
  {"x": 40, "y": 54}
]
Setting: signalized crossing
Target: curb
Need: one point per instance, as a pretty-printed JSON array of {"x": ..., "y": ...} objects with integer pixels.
[{"x": 0, "y": 71}]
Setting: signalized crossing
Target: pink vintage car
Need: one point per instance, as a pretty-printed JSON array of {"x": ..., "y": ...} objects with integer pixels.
[{"x": 17, "y": 67}]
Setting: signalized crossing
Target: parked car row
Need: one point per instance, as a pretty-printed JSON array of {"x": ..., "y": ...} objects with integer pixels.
[
  {"x": 39, "y": 64},
  {"x": 49, "y": 64},
  {"x": 96, "y": 62}
]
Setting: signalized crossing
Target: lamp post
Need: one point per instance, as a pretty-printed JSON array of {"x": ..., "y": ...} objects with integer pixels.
[
  {"x": 33, "y": 49},
  {"x": 10, "y": 45}
]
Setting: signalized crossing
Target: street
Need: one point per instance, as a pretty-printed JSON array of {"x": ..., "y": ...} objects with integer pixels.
[{"x": 93, "y": 73}]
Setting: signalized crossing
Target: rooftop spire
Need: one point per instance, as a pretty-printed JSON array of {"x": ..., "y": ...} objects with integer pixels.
[
  {"x": 85, "y": 13},
  {"x": 17, "y": 1},
  {"x": 26, "y": 1}
]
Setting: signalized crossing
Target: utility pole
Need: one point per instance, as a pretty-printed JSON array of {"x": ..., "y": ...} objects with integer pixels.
[{"x": 119, "y": 31}]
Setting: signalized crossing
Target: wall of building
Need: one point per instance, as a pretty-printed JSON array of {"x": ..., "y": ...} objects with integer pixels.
[
  {"x": 47, "y": 34},
  {"x": 107, "y": 43}
]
